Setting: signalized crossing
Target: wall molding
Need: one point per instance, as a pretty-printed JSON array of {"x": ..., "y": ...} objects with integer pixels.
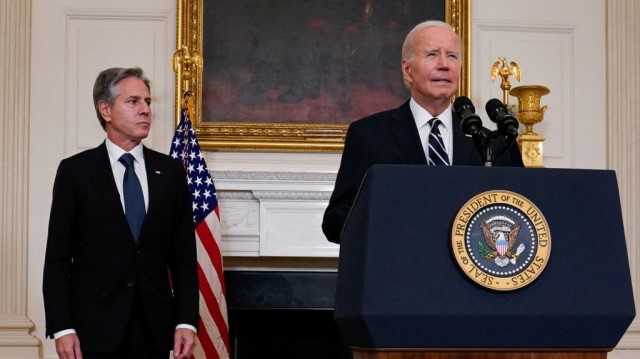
[
  {"x": 623, "y": 91},
  {"x": 15, "y": 81},
  {"x": 80, "y": 133},
  {"x": 273, "y": 176},
  {"x": 292, "y": 195}
]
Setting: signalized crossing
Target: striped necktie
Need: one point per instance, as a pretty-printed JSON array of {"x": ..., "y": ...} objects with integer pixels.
[{"x": 437, "y": 153}]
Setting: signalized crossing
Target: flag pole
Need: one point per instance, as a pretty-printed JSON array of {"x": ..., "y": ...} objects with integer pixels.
[
  {"x": 213, "y": 326},
  {"x": 185, "y": 99}
]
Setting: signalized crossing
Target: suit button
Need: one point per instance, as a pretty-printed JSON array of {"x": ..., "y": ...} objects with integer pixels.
[
  {"x": 138, "y": 251},
  {"x": 131, "y": 284}
]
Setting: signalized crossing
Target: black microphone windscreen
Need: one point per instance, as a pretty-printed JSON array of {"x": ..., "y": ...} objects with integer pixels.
[
  {"x": 492, "y": 106},
  {"x": 463, "y": 103}
]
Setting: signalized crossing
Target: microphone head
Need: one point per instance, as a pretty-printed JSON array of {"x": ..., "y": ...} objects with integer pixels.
[
  {"x": 471, "y": 125},
  {"x": 498, "y": 113},
  {"x": 462, "y": 104},
  {"x": 493, "y": 108},
  {"x": 470, "y": 122}
]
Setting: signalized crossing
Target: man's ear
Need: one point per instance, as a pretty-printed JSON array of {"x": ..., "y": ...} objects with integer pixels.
[
  {"x": 105, "y": 110},
  {"x": 407, "y": 73}
]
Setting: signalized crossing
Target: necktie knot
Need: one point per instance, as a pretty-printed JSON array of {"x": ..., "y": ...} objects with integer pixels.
[
  {"x": 127, "y": 160},
  {"x": 434, "y": 123}
]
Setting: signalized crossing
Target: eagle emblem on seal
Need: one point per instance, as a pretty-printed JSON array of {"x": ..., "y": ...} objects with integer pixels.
[{"x": 500, "y": 235}]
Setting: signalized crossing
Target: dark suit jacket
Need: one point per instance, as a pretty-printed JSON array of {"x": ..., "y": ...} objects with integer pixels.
[
  {"x": 390, "y": 137},
  {"x": 93, "y": 269}
]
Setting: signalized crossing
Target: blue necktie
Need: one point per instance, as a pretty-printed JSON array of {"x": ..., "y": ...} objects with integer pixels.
[
  {"x": 437, "y": 153},
  {"x": 133, "y": 199}
]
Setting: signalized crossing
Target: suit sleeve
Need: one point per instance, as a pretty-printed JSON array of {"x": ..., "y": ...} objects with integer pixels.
[
  {"x": 183, "y": 259},
  {"x": 353, "y": 167},
  {"x": 56, "y": 286}
]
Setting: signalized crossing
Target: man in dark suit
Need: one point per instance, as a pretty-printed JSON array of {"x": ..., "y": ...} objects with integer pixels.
[
  {"x": 120, "y": 267},
  {"x": 431, "y": 62}
]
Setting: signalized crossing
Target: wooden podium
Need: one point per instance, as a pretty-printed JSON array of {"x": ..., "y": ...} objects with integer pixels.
[{"x": 401, "y": 295}]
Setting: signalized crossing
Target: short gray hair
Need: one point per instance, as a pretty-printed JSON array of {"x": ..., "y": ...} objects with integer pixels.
[
  {"x": 105, "y": 88},
  {"x": 407, "y": 46}
]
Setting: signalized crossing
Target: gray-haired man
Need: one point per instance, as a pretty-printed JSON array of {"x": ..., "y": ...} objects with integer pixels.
[{"x": 120, "y": 267}]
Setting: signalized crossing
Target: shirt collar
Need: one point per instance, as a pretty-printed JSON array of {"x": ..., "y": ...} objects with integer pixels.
[
  {"x": 115, "y": 152},
  {"x": 422, "y": 115}
]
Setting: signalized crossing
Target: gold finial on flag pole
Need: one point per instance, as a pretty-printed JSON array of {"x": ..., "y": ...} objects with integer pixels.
[{"x": 185, "y": 64}]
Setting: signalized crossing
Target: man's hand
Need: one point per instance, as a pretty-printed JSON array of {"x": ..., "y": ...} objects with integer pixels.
[
  {"x": 183, "y": 342},
  {"x": 68, "y": 347}
]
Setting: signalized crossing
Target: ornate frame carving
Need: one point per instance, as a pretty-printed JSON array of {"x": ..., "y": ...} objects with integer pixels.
[{"x": 188, "y": 66}]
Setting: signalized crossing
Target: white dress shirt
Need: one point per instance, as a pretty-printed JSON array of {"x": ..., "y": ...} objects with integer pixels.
[
  {"x": 118, "y": 169},
  {"x": 422, "y": 117}
]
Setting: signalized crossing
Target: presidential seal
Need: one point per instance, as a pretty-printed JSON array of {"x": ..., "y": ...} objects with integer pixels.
[{"x": 501, "y": 240}]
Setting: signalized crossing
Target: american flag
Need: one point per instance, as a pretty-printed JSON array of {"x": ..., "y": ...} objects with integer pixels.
[{"x": 213, "y": 333}]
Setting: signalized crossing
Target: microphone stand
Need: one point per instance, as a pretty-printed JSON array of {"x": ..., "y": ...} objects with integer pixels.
[
  {"x": 483, "y": 143},
  {"x": 488, "y": 156}
]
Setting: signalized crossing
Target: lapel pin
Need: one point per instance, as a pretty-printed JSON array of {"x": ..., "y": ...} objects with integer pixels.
[{"x": 158, "y": 172}]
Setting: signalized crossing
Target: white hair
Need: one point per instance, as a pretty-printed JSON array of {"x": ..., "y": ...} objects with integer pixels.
[{"x": 407, "y": 46}]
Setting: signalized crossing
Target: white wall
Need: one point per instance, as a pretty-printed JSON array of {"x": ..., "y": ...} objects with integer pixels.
[{"x": 559, "y": 44}]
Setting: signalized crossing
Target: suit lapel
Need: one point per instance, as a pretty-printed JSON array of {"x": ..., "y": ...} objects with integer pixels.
[
  {"x": 154, "y": 182},
  {"x": 406, "y": 135}
]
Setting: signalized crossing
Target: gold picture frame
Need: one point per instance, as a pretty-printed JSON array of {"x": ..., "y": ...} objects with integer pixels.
[{"x": 253, "y": 136}]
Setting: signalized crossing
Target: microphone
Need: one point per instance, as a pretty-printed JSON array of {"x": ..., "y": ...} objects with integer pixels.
[
  {"x": 470, "y": 122},
  {"x": 506, "y": 121}
]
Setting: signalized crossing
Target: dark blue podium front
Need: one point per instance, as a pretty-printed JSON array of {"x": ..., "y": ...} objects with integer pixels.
[{"x": 399, "y": 286}]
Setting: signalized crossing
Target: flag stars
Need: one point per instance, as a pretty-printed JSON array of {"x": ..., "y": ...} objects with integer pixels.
[{"x": 184, "y": 148}]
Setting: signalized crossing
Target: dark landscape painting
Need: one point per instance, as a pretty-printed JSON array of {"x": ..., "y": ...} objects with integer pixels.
[{"x": 305, "y": 61}]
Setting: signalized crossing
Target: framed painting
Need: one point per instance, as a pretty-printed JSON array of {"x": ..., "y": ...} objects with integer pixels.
[{"x": 291, "y": 75}]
